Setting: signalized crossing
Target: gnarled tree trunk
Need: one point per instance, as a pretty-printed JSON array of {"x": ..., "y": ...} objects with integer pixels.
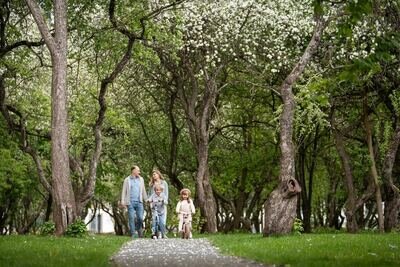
[
  {"x": 199, "y": 133},
  {"x": 198, "y": 115},
  {"x": 205, "y": 196},
  {"x": 280, "y": 207}
]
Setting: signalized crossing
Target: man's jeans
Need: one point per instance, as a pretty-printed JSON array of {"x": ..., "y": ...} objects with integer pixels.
[{"x": 135, "y": 209}]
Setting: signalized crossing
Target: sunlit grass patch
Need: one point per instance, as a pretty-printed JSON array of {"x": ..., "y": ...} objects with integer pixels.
[
  {"x": 367, "y": 249},
  {"x": 43, "y": 251}
]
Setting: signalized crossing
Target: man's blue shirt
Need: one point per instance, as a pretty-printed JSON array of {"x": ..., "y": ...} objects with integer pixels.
[{"x": 134, "y": 183}]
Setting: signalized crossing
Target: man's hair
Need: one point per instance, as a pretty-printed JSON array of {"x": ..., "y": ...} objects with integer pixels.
[{"x": 134, "y": 167}]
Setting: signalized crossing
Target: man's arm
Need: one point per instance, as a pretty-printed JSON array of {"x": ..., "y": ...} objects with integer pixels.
[{"x": 143, "y": 190}]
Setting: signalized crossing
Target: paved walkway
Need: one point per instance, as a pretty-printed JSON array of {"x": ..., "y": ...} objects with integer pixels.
[{"x": 174, "y": 252}]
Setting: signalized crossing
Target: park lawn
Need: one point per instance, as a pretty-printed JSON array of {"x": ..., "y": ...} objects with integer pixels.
[
  {"x": 43, "y": 251},
  {"x": 366, "y": 249}
]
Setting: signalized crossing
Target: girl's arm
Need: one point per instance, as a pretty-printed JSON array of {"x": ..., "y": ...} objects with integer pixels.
[{"x": 192, "y": 207}]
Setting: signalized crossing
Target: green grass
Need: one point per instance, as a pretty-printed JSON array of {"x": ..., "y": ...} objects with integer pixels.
[
  {"x": 367, "y": 249},
  {"x": 340, "y": 249},
  {"x": 43, "y": 251}
]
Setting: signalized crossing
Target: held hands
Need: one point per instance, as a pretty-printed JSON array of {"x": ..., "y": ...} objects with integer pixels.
[
  {"x": 121, "y": 206},
  {"x": 151, "y": 201}
]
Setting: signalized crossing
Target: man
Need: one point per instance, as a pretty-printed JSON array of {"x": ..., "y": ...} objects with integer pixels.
[{"x": 133, "y": 196}]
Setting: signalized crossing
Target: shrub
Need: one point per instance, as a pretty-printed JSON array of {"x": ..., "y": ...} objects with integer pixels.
[
  {"x": 298, "y": 226},
  {"x": 197, "y": 222},
  {"x": 47, "y": 228},
  {"x": 76, "y": 229}
]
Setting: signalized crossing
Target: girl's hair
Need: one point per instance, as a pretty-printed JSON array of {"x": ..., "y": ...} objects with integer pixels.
[
  {"x": 158, "y": 186},
  {"x": 151, "y": 183},
  {"x": 184, "y": 190}
]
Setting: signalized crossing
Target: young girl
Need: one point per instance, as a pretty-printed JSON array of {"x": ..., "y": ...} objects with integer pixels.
[
  {"x": 158, "y": 202},
  {"x": 158, "y": 179},
  {"x": 185, "y": 209}
]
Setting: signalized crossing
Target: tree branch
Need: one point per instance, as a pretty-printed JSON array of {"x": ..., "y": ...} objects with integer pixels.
[
  {"x": 41, "y": 23},
  {"x": 29, "y": 44},
  {"x": 20, "y": 127}
]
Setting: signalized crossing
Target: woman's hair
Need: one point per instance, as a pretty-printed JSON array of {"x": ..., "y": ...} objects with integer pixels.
[
  {"x": 151, "y": 183},
  {"x": 183, "y": 191}
]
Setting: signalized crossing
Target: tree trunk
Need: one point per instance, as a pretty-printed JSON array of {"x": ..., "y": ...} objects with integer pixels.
[
  {"x": 392, "y": 203},
  {"x": 242, "y": 197},
  {"x": 301, "y": 176},
  {"x": 172, "y": 168},
  {"x": 256, "y": 221},
  {"x": 374, "y": 172},
  {"x": 240, "y": 201},
  {"x": 64, "y": 211},
  {"x": 204, "y": 193},
  {"x": 198, "y": 101},
  {"x": 280, "y": 212},
  {"x": 392, "y": 207},
  {"x": 280, "y": 207},
  {"x": 87, "y": 192},
  {"x": 350, "y": 211},
  {"x": 198, "y": 116},
  {"x": 333, "y": 209}
]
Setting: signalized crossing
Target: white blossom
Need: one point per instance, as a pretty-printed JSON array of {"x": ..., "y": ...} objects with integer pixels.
[{"x": 258, "y": 31}]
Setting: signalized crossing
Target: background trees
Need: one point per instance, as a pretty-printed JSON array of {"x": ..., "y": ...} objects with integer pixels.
[{"x": 202, "y": 91}]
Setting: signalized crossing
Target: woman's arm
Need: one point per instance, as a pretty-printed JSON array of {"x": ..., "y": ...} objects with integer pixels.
[
  {"x": 165, "y": 199},
  {"x": 166, "y": 189}
]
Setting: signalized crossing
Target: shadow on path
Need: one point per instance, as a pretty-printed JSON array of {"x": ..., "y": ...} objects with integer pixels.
[{"x": 174, "y": 252}]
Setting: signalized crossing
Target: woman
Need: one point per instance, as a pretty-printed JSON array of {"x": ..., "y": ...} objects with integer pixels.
[{"x": 158, "y": 179}]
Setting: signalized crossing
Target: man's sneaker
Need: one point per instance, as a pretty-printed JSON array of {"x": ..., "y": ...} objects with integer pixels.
[
  {"x": 134, "y": 235},
  {"x": 140, "y": 233}
]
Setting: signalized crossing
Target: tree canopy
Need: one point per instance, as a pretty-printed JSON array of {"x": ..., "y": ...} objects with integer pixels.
[{"x": 211, "y": 93}]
